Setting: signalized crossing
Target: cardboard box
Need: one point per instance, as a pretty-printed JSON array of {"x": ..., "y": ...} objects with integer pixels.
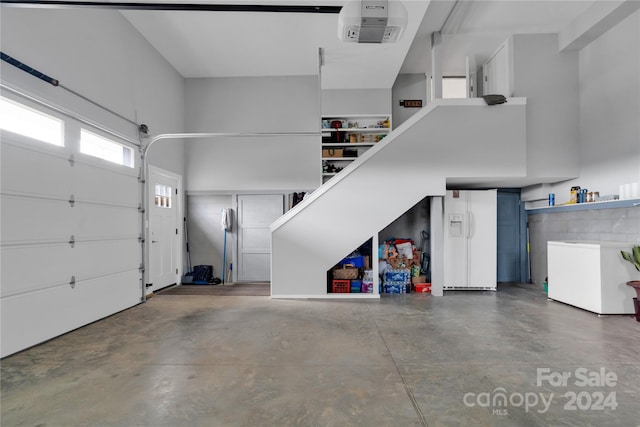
[
  {"x": 419, "y": 279},
  {"x": 400, "y": 262},
  {"x": 345, "y": 273},
  {"x": 332, "y": 152}
]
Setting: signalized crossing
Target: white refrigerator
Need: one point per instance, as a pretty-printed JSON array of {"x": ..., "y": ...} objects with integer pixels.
[{"x": 470, "y": 240}]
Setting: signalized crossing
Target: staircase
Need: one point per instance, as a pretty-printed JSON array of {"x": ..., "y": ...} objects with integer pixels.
[{"x": 461, "y": 138}]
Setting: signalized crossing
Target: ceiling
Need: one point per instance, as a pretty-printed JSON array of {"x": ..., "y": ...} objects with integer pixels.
[
  {"x": 223, "y": 44},
  {"x": 208, "y": 43},
  {"x": 475, "y": 29},
  {"x": 249, "y": 44}
]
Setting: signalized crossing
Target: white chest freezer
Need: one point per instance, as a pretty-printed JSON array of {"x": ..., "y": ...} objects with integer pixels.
[{"x": 591, "y": 275}]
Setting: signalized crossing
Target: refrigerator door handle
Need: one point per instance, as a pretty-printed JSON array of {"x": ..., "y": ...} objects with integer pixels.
[{"x": 469, "y": 224}]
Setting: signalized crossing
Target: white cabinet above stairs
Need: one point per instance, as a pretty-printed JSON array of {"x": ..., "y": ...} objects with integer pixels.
[{"x": 447, "y": 139}]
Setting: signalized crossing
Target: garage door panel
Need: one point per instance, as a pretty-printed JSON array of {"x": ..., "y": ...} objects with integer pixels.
[
  {"x": 93, "y": 221},
  {"x": 26, "y": 219},
  {"x": 93, "y": 259},
  {"x": 29, "y": 267},
  {"x": 111, "y": 186},
  {"x": 62, "y": 309},
  {"x": 48, "y": 237},
  {"x": 28, "y": 171}
]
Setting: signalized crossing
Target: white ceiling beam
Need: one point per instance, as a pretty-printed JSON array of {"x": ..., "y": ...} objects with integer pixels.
[{"x": 594, "y": 22}]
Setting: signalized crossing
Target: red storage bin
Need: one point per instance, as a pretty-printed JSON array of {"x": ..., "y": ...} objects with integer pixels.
[
  {"x": 341, "y": 286},
  {"x": 423, "y": 287}
]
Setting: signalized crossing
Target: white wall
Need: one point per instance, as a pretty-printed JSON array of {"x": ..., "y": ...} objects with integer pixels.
[
  {"x": 206, "y": 237},
  {"x": 609, "y": 111},
  {"x": 356, "y": 101},
  {"x": 241, "y": 164},
  {"x": 407, "y": 86},
  {"x": 98, "y": 54},
  {"x": 549, "y": 80},
  {"x": 410, "y": 225}
]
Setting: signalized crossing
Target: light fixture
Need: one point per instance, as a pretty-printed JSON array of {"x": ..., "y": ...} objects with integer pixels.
[{"x": 372, "y": 21}]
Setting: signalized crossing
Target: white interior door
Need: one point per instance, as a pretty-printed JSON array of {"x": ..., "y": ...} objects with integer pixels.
[
  {"x": 164, "y": 230},
  {"x": 255, "y": 214}
]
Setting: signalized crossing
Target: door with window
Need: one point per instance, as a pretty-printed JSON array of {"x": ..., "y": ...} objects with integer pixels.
[
  {"x": 164, "y": 230},
  {"x": 255, "y": 215}
]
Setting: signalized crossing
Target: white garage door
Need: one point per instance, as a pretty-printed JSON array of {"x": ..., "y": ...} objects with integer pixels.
[{"x": 70, "y": 228}]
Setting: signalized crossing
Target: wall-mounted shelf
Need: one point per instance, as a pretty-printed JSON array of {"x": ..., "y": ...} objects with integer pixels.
[
  {"x": 348, "y": 144},
  {"x": 339, "y": 159},
  {"x": 609, "y": 204},
  {"x": 347, "y": 130},
  {"x": 357, "y": 132}
]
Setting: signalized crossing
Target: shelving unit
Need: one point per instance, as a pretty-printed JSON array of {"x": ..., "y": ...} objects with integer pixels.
[
  {"x": 356, "y": 134},
  {"x": 609, "y": 204}
]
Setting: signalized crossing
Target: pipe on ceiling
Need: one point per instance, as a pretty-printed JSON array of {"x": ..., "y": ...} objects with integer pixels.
[{"x": 190, "y": 7}]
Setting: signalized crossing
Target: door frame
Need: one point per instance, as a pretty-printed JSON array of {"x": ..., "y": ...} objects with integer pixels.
[
  {"x": 523, "y": 253},
  {"x": 179, "y": 203}
]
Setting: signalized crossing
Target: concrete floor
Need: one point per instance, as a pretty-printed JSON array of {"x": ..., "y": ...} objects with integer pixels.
[{"x": 406, "y": 360}]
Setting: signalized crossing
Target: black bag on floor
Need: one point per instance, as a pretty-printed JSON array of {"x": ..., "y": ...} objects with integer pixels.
[{"x": 202, "y": 274}]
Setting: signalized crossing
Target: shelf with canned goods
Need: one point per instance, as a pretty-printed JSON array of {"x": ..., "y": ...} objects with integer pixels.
[
  {"x": 348, "y": 144},
  {"x": 346, "y": 137},
  {"x": 355, "y": 128},
  {"x": 356, "y": 123}
]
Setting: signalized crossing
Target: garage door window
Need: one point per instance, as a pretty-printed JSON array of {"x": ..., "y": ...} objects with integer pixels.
[
  {"x": 20, "y": 119},
  {"x": 103, "y": 148}
]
